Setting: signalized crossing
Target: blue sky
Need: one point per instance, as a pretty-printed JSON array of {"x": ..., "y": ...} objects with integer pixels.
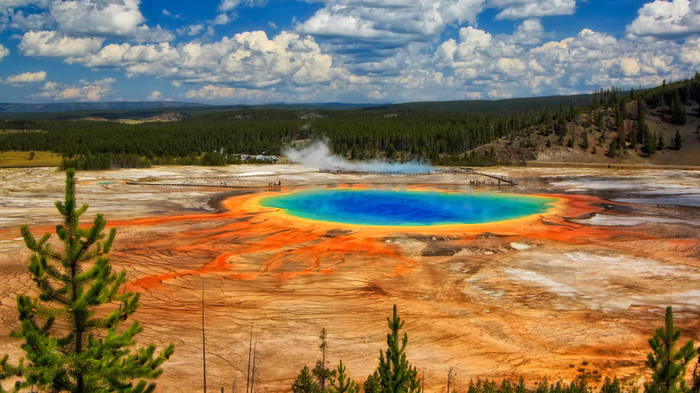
[{"x": 261, "y": 51}]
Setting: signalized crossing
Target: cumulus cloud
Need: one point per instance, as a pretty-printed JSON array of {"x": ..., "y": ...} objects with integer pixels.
[
  {"x": 496, "y": 67},
  {"x": 3, "y": 51},
  {"x": 382, "y": 26},
  {"x": 191, "y": 30},
  {"x": 225, "y": 6},
  {"x": 26, "y": 77},
  {"x": 121, "y": 18},
  {"x": 522, "y": 9},
  {"x": 154, "y": 96},
  {"x": 80, "y": 18},
  {"x": 15, "y": 3},
  {"x": 83, "y": 91},
  {"x": 249, "y": 59},
  {"x": 666, "y": 19},
  {"x": 530, "y": 32},
  {"x": 28, "y": 21},
  {"x": 52, "y": 44},
  {"x": 233, "y": 94},
  {"x": 228, "y": 5}
]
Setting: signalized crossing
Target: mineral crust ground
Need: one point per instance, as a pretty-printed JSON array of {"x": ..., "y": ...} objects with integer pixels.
[{"x": 586, "y": 281}]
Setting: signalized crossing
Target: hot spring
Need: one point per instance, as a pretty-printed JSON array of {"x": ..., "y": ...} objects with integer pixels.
[{"x": 406, "y": 208}]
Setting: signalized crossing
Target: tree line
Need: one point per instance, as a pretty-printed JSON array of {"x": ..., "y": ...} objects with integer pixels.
[{"x": 402, "y": 134}]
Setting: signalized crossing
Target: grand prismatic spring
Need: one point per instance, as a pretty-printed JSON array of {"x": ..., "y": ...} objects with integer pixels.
[
  {"x": 580, "y": 274},
  {"x": 391, "y": 207}
]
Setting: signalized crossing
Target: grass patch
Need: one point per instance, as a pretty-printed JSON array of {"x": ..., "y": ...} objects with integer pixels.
[{"x": 21, "y": 159}]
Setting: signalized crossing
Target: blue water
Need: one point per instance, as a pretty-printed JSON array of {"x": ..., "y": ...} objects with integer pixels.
[{"x": 411, "y": 208}]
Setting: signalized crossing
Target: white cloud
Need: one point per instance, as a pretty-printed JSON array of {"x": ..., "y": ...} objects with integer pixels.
[
  {"x": 15, "y": 3},
  {"x": 667, "y": 19},
  {"x": 80, "y": 18},
  {"x": 228, "y": 5},
  {"x": 521, "y": 9},
  {"x": 629, "y": 66},
  {"x": 50, "y": 43},
  {"x": 191, "y": 30},
  {"x": 386, "y": 23},
  {"x": 496, "y": 67},
  {"x": 89, "y": 16},
  {"x": 221, "y": 19},
  {"x": 3, "y": 52},
  {"x": 27, "y": 77},
  {"x": 249, "y": 59},
  {"x": 530, "y": 32},
  {"x": 29, "y": 21},
  {"x": 83, "y": 91},
  {"x": 233, "y": 94},
  {"x": 155, "y": 96}
]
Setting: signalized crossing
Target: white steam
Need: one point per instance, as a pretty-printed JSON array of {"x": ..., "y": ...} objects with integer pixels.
[{"x": 319, "y": 155}]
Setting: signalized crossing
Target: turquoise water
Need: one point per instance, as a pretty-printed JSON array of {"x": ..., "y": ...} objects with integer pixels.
[{"x": 410, "y": 208}]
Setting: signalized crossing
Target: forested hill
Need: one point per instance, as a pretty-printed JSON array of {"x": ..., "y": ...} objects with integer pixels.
[
  {"x": 604, "y": 128},
  {"x": 656, "y": 126}
]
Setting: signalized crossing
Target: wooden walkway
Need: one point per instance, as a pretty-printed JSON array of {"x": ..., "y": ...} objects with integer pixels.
[
  {"x": 511, "y": 182},
  {"x": 466, "y": 171}
]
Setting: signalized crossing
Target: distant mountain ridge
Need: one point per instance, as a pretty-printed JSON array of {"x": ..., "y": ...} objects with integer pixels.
[
  {"x": 89, "y": 106},
  {"x": 147, "y": 109}
]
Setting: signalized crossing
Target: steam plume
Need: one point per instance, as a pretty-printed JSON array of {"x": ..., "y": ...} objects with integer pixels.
[{"x": 319, "y": 155}]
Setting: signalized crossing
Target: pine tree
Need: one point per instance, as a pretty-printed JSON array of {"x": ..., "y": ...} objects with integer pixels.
[
  {"x": 677, "y": 140},
  {"x": 371, "y": 385},
  {"x": 660, "y": 144},
  {"x": 667, "y": 363},
  {"x": 695, "y": 387},
  {"x": 320, "y": 371},
  {"x": 611, "y": 386},
  {"x": 94, "y": 353},
  {"x": 649, "y": 143},
  {"x": 395, "y": 373},
  {"x": 677, "y": 109},
  {"x": 343, "y": 384},
  {"x": 305, "y": 382}
]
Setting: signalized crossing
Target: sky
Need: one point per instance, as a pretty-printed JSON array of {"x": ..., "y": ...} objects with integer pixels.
[{"x": 353, "y": 51}]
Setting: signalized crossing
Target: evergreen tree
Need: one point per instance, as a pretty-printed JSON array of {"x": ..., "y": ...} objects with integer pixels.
[
  {"x": 611, "y": 386},
  {"x": 395, "y": 373},
  {"x": 667, "y": 363},
  {"x": 371, "y": 385},
  {"x": 343, "y": 384},
  {"x": 570, "y": 142},
  {"x": 93, "y": 354},
  {"x": 649, "y": 143},
  {"x": 660, "y": 144},
  {"x": 305, "y": 383},
  {"x": 562, "y": 128},
  {"x": 677, "y": 109},
  {"x": 614, "y": 147},
  {"x": 695, "y": 387},
  {"x": 677, "y": 140},
  {"x": 320, "y": 371}
]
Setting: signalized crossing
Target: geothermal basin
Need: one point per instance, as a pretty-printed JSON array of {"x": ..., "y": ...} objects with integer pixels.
[{"x": 584, "y": 277}]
